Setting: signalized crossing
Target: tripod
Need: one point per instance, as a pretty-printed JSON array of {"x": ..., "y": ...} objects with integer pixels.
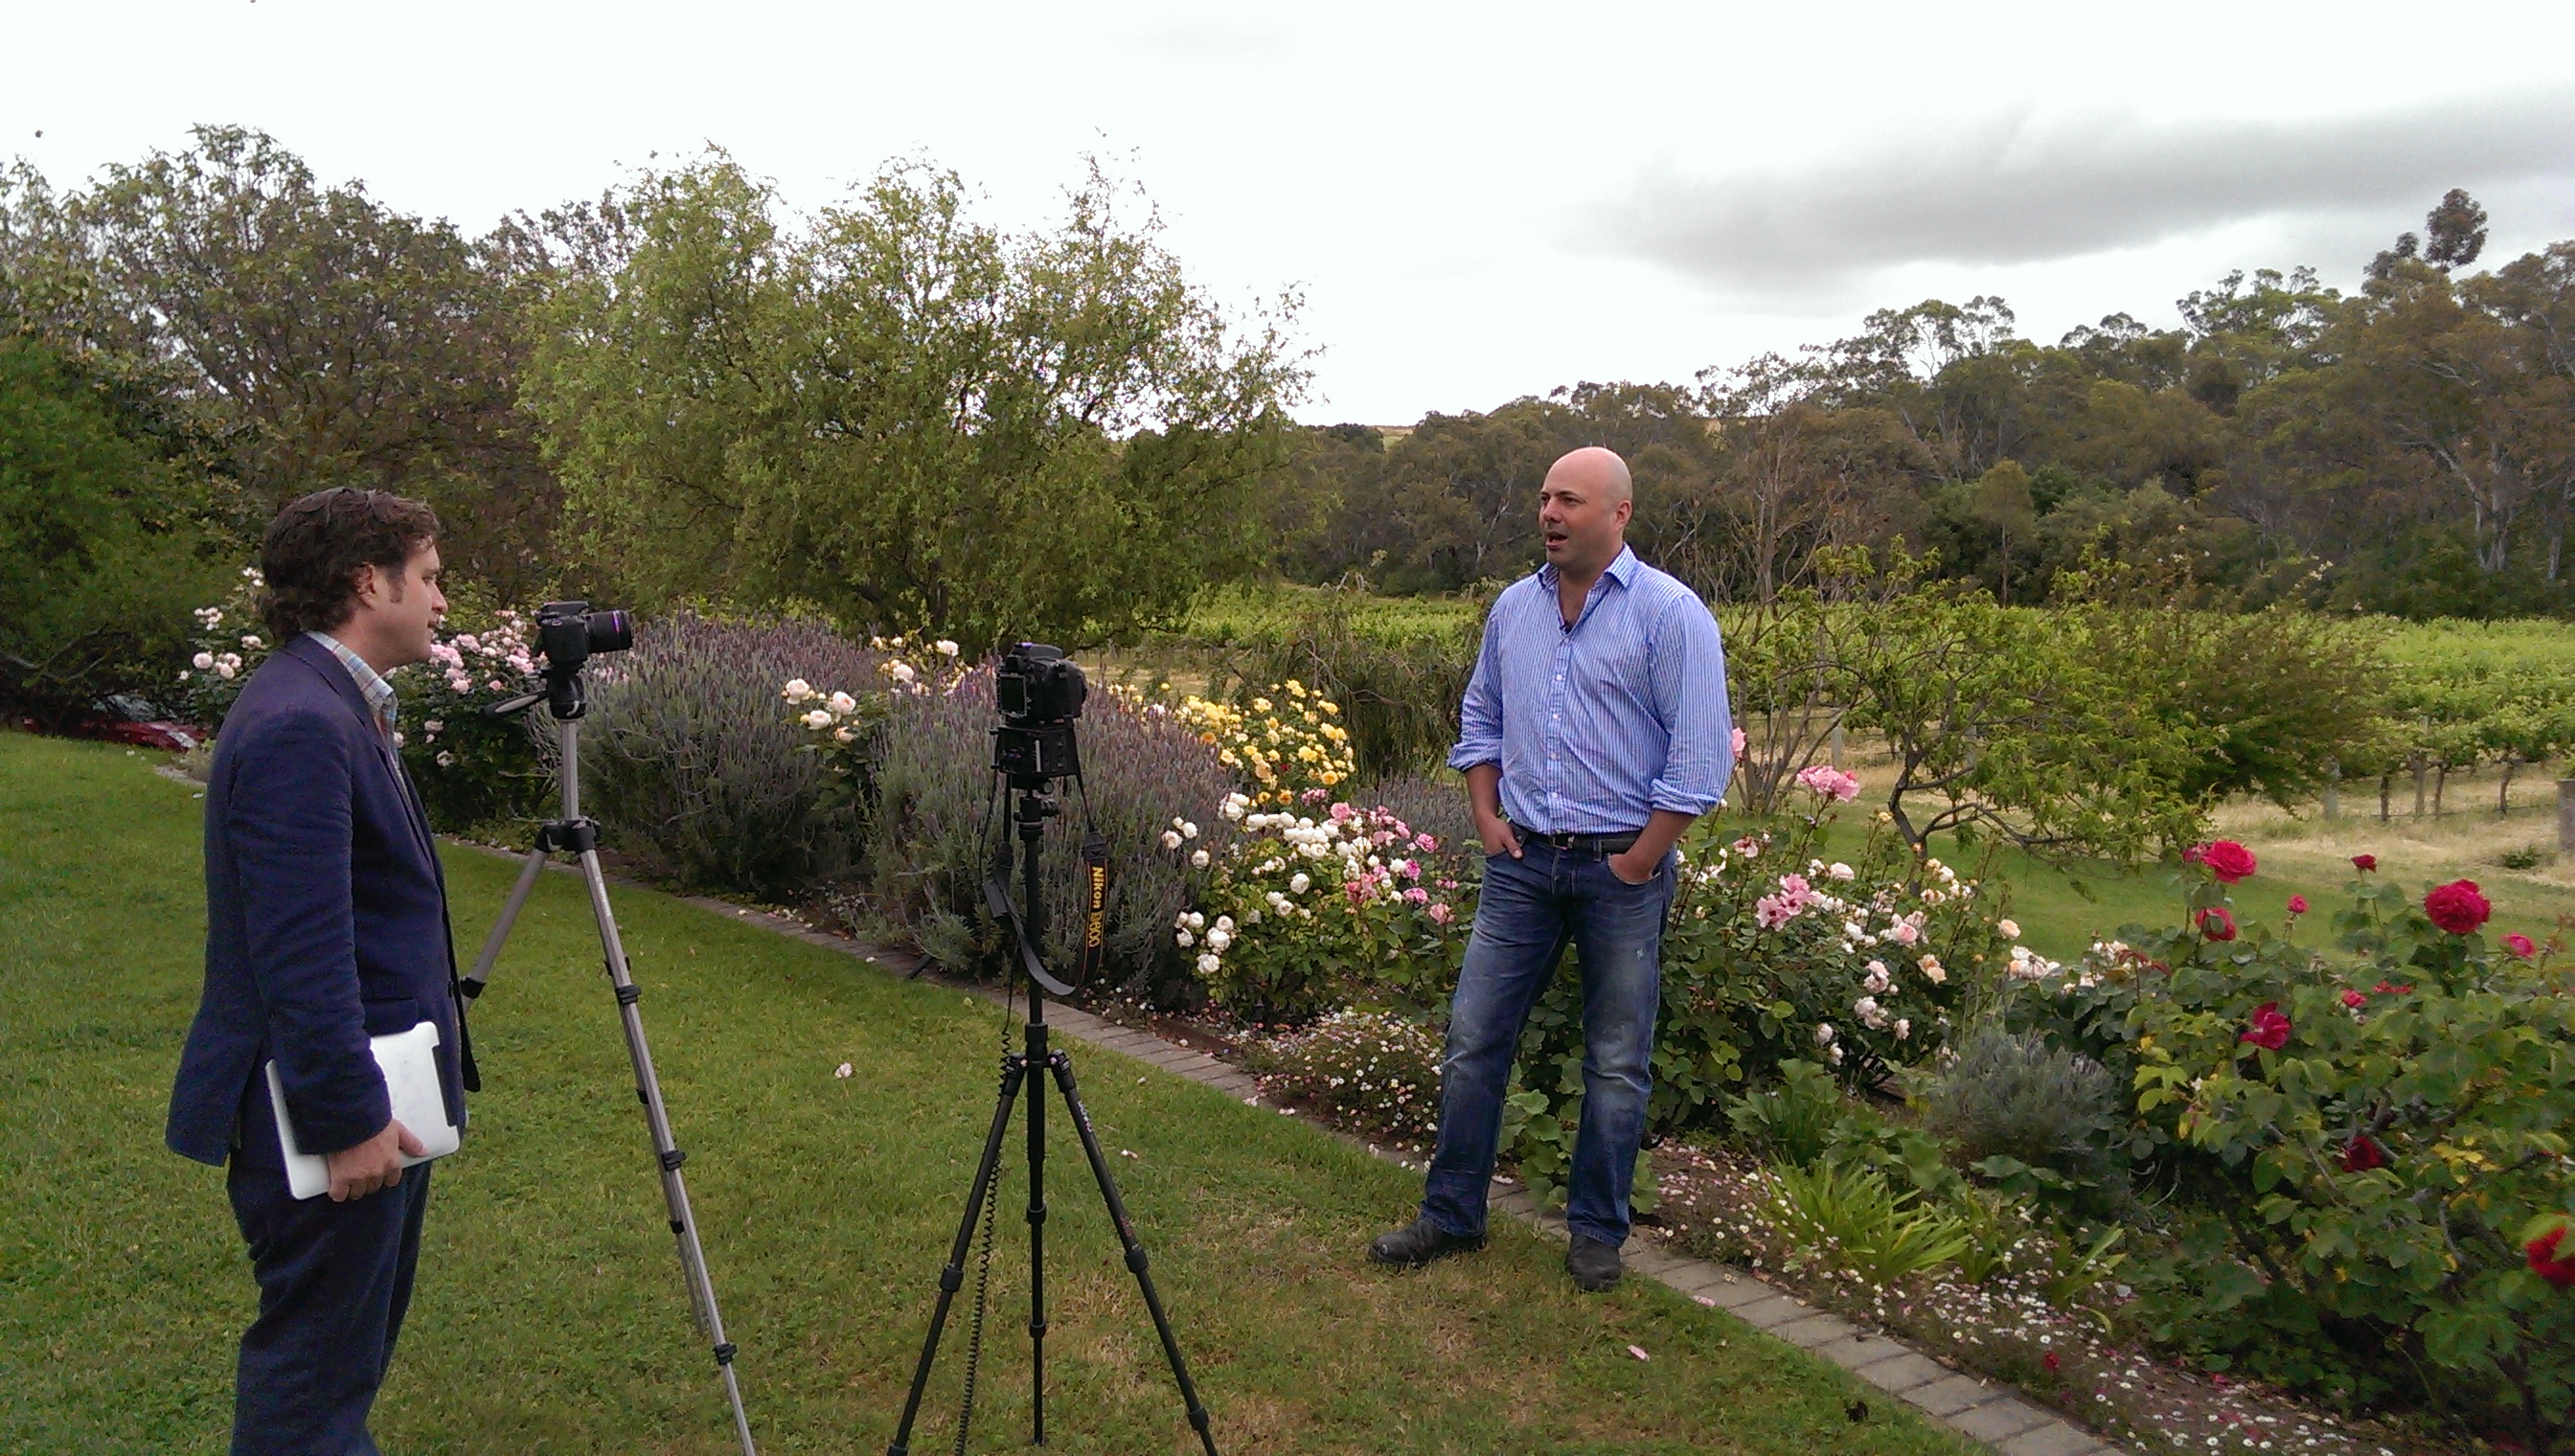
[
  {"x": 571, "y": 835},
  {"x": 1033, "y": 806}
]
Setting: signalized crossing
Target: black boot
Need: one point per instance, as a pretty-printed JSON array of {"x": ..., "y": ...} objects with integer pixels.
[
  {"x": 1594, "y": 1265},
  {"x": 1420, "y": 1242}
]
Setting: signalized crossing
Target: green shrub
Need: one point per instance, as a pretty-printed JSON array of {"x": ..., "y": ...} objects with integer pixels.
[
  {"x": 2015, "y": 1105},
  {"x": 1792, "y": 1122},
  {"x": 105, "y": 555},
  {"x": 1399, "y": 688}
]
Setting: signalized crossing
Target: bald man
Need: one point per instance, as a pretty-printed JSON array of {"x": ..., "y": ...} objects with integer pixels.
[{"x": 1594, "y": 732}]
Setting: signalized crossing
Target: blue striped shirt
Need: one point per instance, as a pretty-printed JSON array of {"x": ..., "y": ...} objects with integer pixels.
[{"x": 1598, "y": 725}]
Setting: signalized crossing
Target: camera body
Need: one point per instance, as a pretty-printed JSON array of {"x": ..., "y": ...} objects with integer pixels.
[
  {"x": 569, "y": 631},
  {"x": 1040, "y": 692}
]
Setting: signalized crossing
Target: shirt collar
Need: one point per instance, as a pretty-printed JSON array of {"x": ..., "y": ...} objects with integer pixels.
[
  {"x": 371, "y": 684},
  {"x": 1622, "y": 570}
]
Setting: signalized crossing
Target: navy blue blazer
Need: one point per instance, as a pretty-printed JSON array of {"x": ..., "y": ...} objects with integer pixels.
[{"x": 326, "y": 916}]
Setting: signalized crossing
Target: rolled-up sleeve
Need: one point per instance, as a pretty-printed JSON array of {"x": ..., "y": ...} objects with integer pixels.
[
  {"x": 292, "y": 834},
  {"x": 1688, "y": 677},
  {"x": 1479, "y": 715}
]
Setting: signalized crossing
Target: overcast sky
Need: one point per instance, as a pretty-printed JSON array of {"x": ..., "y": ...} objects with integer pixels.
[{"x": 1475, "y": 201}]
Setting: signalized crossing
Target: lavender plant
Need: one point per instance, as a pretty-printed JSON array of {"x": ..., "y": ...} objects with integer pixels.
[{"x": 689, "y": 761}]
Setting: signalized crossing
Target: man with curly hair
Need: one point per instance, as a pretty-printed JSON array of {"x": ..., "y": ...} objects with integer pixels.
[{"x": 326, "y": 923}]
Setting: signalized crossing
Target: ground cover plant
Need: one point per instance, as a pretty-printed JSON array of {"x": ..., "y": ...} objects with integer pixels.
[{"x": 550, "y": 1317}]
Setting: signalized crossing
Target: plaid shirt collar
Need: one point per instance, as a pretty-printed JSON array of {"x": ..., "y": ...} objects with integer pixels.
[{"x": 371, "y": 684}]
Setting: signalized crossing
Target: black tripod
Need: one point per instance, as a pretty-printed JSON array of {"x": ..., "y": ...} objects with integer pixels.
[
  {"x": 578, "y": 836},
  {"x": 1027, "y": 759}
]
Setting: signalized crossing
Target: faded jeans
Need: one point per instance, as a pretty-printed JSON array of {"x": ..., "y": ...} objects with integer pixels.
[{"x": 1529, "y": 909}]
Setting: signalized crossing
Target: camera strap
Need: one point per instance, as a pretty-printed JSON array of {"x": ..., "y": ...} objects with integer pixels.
[{"x": 1095, "y": 903}]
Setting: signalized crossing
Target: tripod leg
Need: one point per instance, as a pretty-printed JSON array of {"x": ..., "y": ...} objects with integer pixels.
[
  {"x": 1037, "y": 1235},
  {"x": 1136, "y": 1260},
  {"x": 473, "y": 984},
  {"x": 674, "y": 1192},
  {"x": 952, "y": 1277}
]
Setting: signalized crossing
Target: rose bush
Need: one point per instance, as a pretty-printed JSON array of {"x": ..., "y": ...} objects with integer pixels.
[
  {"x": 2352, "y": 1140},
  {"x": 472, "y": 769}
]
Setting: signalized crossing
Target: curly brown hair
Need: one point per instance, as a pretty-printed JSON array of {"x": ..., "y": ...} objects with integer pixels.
[{"x": 312, "y": 551}]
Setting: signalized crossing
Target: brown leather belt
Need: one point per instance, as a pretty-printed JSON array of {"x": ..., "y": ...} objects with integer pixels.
[{"x": 1578, "y": 843}]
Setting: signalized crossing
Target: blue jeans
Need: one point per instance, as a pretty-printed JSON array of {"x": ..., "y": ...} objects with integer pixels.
[{"x": 1529, "y": 909}]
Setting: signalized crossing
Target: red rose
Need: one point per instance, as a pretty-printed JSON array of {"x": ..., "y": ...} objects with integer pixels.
[
  {"x": 2458, "y": 906},
  {"x": 2364, "y": 863},
  {"x": 2520, "y": 944},
  {"x": 2216, "y": 923},
  {"x": 2228, "y": 860},
  {"x": 2050, "y": 1361},
  {"x": 2269, "y": 1028},
  {"x": 2354, "y": 999},
  {"x": 2363, "y": 1153},
  {"x": 2298, "y": 904},
  {"x": 2388, "y": 989},
  {"x": 2542, "y": 1252}
]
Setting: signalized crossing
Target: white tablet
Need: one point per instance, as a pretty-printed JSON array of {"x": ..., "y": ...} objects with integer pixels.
[{"x": 410, "y": 1063}]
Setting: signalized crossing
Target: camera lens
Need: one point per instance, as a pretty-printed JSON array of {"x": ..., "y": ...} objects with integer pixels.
[{"x": 611, "y": 631}]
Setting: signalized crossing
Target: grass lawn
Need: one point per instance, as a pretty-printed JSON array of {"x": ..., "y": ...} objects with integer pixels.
[{"x": 551, "y": 1316}]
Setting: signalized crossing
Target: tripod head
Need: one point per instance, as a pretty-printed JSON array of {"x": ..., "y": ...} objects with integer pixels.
[{"x": 566, "y": 634}]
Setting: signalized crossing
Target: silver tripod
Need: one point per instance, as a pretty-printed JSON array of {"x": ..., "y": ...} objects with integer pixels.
[{"x": 571, "y": 835}]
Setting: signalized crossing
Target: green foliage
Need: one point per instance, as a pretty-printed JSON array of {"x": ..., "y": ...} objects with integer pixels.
[
  {"x": 1398, "y": 687},
  {"x": 1851, "y": 1218},
  {"x": 2355, "y": 1197},
  {"x": 906, "y": 417},
  {"x": 1792, "y": 1121},
  {"x": 104, "y": 555},
  {"x": 2012, "y": 1096}
]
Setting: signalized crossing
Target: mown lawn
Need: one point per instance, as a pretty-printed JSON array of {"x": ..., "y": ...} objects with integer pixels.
[{"x": 551, "y": 1316}]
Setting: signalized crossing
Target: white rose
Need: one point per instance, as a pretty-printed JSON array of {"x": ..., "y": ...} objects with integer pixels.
[
  {"x": 1841, "y": 871},
  {"x": 446, "y": 761},
  {"x": 1298, "y": 885},
  {"x": 1225, "y": 924},
  {"x": 1210, "y": 964},
  {"x": 844, "y": 735},
  {"x": 945, "y": 647},
  {"x": 1189, "y": 831},
  {"x": 1198, "y": 920},
  {"x": 902, "y": 672},
  {"x": 796, "y": 689},
  {"x": 2010, "y": 929},
  {"x": 224, "y": 670},
  {"x": 820, "y": 717},
  {"x": 1218, "y": 941},
  {"x": 1823, "y": 1033},
  {"x": 205, "y": 661},
  {"x": 843, "y": 703},
  {"x": 1171, "y": 838},
  {"x": 1903, "y": 1029},
  {"x": 1182, "y": 938},
  {"x": 1199, "y": 860}
]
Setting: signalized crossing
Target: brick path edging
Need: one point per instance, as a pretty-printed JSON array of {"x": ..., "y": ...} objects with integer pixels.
[{"x": 1985, "y": 1411}]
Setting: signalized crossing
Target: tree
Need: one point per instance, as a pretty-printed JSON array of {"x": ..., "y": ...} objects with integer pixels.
[
  {"x": 904, "y": 417},
  {"x": 105, "y": 557},
  {"x": 327, "y": 340}
]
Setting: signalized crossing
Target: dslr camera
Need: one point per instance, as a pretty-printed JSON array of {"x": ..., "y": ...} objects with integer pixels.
[
  {"x": 569, "y": 631},
  {"x": 1040, "y": 691}
]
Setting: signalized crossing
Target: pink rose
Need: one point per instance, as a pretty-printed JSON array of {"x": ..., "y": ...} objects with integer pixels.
[
  {"x": 2298, "y": 904},
  {"x": 2520, "y": 944}
]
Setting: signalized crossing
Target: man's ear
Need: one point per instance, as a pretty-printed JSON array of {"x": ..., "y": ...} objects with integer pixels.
[{"x": 364, "y": 585}]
